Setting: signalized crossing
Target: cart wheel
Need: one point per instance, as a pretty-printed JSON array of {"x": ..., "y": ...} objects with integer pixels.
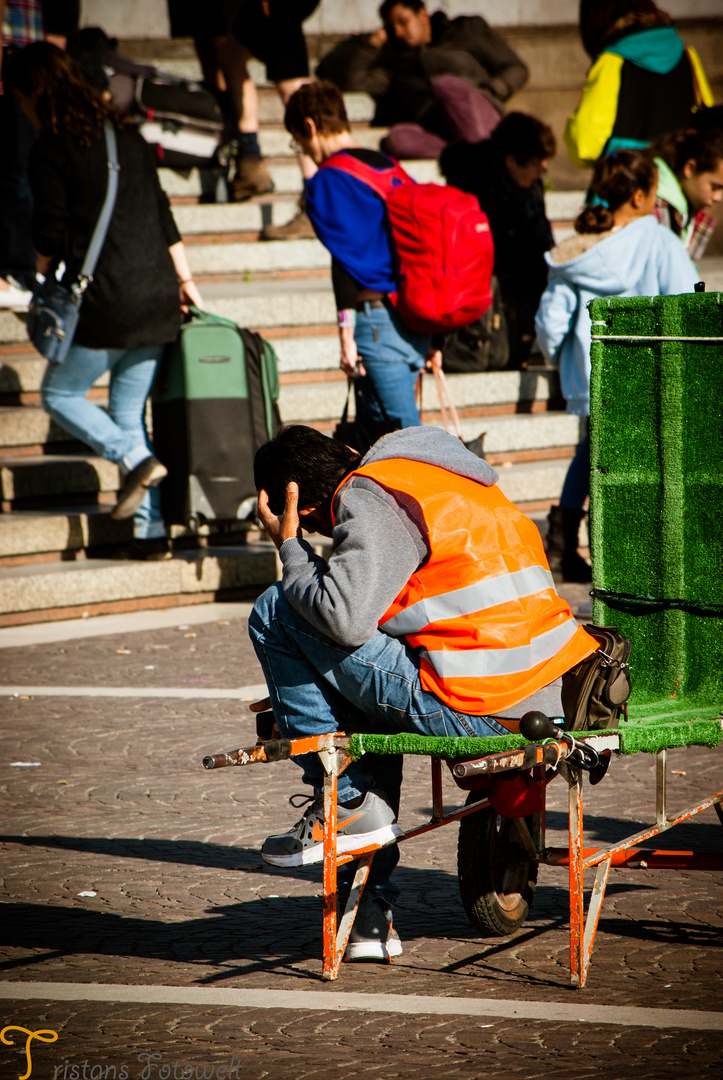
[
  {"x": 497, "y": 878},
  {"x": 719, "y": 811}
]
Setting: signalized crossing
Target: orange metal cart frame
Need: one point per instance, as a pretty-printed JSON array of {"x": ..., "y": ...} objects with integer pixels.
[{"x": 626, "y": 854}]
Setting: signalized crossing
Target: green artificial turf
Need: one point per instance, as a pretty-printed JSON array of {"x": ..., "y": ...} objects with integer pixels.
[
  {"x": 656, "y": 534},
  {"x": 656, "y": 487}
]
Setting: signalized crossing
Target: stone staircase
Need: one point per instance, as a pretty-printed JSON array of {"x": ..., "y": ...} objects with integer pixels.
[{"x": 56, "y": 536}]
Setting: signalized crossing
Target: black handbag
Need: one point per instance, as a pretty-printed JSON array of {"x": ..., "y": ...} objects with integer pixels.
[
  {"x": 364, "y": 430},
  {"x": 54, "y": 309},
  {"x": 595, "y": 692}
]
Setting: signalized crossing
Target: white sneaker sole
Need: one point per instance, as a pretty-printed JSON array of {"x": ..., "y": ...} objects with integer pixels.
[
  {"x": 374, "y": 950},
  {"x": 344, "y": 844}
]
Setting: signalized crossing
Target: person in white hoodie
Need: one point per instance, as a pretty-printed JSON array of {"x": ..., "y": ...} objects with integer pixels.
[{"x": 619, "y": 249}]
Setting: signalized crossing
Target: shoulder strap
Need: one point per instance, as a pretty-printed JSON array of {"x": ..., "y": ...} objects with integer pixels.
[
  {"x": 99, "y": 233},
  {"x": 379, "y": 180}
]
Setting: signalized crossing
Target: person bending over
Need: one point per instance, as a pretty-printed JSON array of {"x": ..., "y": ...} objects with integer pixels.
[
  {"x": 435, "y": 614},
  {"x": 350, "y": 220}
]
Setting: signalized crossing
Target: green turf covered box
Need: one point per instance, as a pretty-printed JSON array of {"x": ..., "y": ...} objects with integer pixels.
[{"x": 656, "y": 489}]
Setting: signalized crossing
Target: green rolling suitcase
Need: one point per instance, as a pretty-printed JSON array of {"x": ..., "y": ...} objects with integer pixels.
[{"x": 214, "y": 403}]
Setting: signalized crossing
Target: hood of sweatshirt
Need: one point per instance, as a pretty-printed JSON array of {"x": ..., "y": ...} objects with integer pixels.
[
  {"x": 432, "y": 446},
  {"x": 669, "y": 188},
  {"x": 657, "y": 50},
  {"x": 604, "y": 263}
]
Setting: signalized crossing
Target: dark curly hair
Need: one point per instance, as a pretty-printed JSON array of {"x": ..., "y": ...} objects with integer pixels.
[
  {"x": 615, "y": 180},
  {"x": 63, "y": 98},
  {"x": 303, "y": 455},
  {"x": 705, "y": 148}
]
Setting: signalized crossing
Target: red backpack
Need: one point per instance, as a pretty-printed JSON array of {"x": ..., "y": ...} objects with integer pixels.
[{"x": 443, "y": 246}]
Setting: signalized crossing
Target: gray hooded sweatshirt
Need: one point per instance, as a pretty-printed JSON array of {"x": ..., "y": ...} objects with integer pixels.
[{"x": 380, "y": 540}]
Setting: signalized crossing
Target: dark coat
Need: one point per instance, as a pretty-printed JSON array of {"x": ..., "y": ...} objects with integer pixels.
[
  {"x": 399, "y": 78},
  {"x": 520, "y": 229},
  {"x": 133, "y": 298}
]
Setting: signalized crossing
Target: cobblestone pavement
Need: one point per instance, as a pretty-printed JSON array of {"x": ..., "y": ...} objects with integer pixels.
[{"x": 120, "y": 807}]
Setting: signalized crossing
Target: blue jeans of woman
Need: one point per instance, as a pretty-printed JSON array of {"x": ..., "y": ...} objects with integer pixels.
[
  {"x": 576, "y": 487},
  {"x": 318, "y": 686},
  {"x": 393, "y": 356},
  {"x": 120, "y": 434}
]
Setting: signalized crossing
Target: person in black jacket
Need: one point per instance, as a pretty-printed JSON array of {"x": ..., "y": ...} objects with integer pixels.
[
  {"x": 505, "y": 173},
  {"x": 132, "y": 306}
]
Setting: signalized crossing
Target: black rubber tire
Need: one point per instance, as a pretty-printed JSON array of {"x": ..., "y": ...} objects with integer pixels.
[{"x": 497, "y": 878}]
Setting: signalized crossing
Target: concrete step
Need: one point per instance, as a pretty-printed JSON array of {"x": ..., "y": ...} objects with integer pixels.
[
  {"x": 251, "y": 258},
  {"x": 533, "y": 482},
  {"x": 33, "y": 478},
  {"x": 33, "y": 534},
  {"x": 28, "y": 425},
  {"x": 277, "y": 209},
  {"x": 286, "y": 176},
  {"x": 62, "y": 590},
  {"x": 275, "y": 141},
  {"x": 324, "y": 400}
]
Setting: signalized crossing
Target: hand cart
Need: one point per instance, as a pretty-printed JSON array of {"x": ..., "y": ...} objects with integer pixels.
[{"x": 498, "y": 855}]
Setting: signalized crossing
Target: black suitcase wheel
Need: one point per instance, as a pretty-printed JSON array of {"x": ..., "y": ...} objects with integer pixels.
[{"x": 497, "y": 878}]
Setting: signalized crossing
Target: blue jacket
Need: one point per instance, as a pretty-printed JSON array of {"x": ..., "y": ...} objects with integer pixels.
[
  {"x": 350, "y": 220},
  {"x": 640, "y": 259}
]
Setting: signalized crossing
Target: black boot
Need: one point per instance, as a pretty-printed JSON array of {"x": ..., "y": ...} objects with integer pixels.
[
  {"x": 562, "y": 540},
  {"x": 574, "y": 567}
]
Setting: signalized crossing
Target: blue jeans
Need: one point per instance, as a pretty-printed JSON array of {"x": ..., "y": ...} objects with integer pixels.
[
  {"x": 318, "y": 686},
  {"x": 576, "y": 487},
  {"x": 119, "y": 435},
  {"x": 393, "y": 356}
]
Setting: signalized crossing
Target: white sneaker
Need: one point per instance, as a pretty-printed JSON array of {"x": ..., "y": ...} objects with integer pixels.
[
  {"x": 12, "y": 296},
  {"x": 372, "y": 936}
]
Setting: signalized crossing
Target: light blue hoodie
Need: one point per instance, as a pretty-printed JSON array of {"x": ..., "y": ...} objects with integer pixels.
[{"x": 642, "y": 258}]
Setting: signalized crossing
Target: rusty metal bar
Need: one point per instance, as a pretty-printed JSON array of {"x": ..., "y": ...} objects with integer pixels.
[
  {"x": 464, "y": 811},
  {"x": 279, "y": 750},
  {"x": 352, "y": 904},
  {"x": 520, "y": 826},
  {"x": 654, "y": 830},
  {"x": 437, "y": 795},
  {"x": 593, "y": 916},
  {"x": 538, "y": 821},
  {"x": 661, "y": 762},
  {"x": 331, "y": 959},
  {"x": 641, "y": 859},
  {"x": 575, "y": 813}
]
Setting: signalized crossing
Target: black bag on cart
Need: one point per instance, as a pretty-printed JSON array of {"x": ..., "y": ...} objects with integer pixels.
[
  {"x": 595, "y": 692},
  {"x": 214, "y": 403}
]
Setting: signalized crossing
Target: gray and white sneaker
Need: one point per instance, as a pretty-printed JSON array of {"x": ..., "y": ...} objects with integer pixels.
[
  {"x": 370, "y": 825},
  {"x": 372, "y": 936}
]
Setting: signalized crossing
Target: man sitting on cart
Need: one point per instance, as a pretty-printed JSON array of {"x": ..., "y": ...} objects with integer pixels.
[{"x": 436, "y": 614}]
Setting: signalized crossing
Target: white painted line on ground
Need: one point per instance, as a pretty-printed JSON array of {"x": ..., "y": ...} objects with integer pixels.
[
  {"x": 12, "y": 637},
  {"x": 334, "y": 1000},
  {"x": 257, "y": 691}
]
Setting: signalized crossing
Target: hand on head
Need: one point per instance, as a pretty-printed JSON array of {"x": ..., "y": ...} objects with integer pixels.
[{"x": 280, "y": 527}]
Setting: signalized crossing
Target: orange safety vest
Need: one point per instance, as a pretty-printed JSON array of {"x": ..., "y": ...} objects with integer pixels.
[{"x": 482, "y": 611}]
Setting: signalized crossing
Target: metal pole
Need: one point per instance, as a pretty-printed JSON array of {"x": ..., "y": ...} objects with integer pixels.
[{"x": 577, "y": 974}]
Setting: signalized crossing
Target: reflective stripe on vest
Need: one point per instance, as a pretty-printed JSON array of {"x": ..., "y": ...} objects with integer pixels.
[
  {"x": 482, "y": 612},
  {"x": 484, "y": 663},
  {"x": 484, "y": 594}
]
